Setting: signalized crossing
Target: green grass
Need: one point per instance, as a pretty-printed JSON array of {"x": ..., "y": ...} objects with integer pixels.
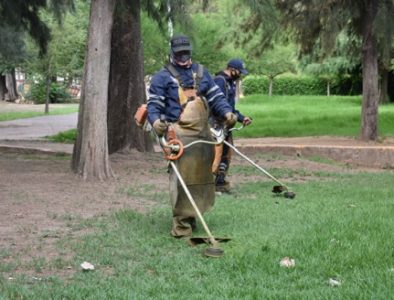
[
  {"x": 292, "y": 116},
  {"x": 53, "y": 110},
  {"x": 338, "y": 228},
  {"x": 297, "y": 116},
  {"x": 68, "y": 137}
]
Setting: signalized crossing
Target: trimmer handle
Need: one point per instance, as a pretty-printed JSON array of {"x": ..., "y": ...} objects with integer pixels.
[
  {"x": 169, "y": 154},
  {"x": 236, "y": 128}
]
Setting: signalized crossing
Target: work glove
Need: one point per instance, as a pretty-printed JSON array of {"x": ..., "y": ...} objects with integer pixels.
[
  {"x": 247, "y": 121},
  {"x": 160, "y": 127},
  {"x": 230, "y": 119}
]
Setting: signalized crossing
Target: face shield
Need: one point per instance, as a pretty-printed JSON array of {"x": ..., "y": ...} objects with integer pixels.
[
  {"x": 181, "y": 50},
  {"x": 181, "y": 56}
]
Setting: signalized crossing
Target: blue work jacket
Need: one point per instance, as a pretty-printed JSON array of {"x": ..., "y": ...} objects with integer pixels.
[
  {"x": 164, "y": 98},
  {"x": 228, "y": 87}
]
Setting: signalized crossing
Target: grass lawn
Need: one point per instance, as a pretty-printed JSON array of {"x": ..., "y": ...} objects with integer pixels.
[
  {"x": 295, "y": 116},
  {"x": 29, "y": 111},
  {"x": 339, "y": 227}
]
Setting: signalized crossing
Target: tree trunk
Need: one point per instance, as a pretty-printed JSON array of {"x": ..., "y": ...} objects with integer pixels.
[
  {"x": 47, "y": 93},
  {"x": 271, "y": 83},
  {"x": 383, "y": 87},
  {"x": 10, "y": 80},
  {"x": 90, "y": 155},
  {"x": 3, "y": 87},
  {"x": 328, "y": 89},
  {"x": 126, "y": 87},
  {"x": 369, "y": 112}
]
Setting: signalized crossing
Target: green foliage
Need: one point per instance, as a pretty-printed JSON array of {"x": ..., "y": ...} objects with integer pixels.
[
  {"x": 26, "y": 16},
  {"x": 12, "y": 48},
  {"x": 155, "y": 45},
  {"x": 273, "y": 62},
  {"x": 284, "y": 85},
  {"x": 330, "y": 69},
  {"x": 207, "y": 50},
  {"x": 252, "y": 26},
  {"x": 205, "y": 31},
  {"x": 66, "y": 50},
  {"x": 57, "y": 93}
]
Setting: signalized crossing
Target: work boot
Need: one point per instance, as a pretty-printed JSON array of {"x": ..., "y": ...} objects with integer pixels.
[
  {"x": 223, "y": 187},
  {"x": 221, "y": 184},
  {"x": 182, "y": 226}
]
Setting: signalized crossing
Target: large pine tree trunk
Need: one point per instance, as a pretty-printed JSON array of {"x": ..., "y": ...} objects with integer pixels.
[
  {"x": 90, "y": 155},
  {"x": 11, "y": 86},
  {"x": 369, "y": 112},
  {"x": 126, "y": 88}
]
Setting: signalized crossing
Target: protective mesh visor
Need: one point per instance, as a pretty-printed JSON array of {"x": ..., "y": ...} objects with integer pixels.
[{"x": 182, "y": 56}]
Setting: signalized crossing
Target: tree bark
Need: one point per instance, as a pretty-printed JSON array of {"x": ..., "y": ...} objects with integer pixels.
[
  {"x": 369, "y": 111},
  {"x": 10, "y": 80},
  {"x": 126, "y": 87},
  {"x": 90, "y": 154},
  {"x": 47, "y": 93},
  {"x": 328, "y": 88},
  {"x": 271, "y": 83},
  {"x": 3, "y": 87}
]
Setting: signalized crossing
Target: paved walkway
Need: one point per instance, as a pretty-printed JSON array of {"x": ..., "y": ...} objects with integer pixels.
[
  {"x": 27, "y": 135},
  {"x": 37, "y": 127}
]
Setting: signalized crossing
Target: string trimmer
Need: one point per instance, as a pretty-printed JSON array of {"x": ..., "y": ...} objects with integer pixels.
[{"x": 277, "y": 189}]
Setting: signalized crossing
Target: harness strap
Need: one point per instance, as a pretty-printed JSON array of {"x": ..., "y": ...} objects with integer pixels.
[
  {"x": 197, "y": 78},
  {"x": 174, "y": 73},
  {"x": 200, "y": 74}
]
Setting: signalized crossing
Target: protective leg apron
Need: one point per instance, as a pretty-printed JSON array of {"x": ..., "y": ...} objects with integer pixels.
[{"x": 195, "y": 168}]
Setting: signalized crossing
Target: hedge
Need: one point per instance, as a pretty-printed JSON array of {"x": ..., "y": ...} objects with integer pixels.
[
  {"x": 284, "y": 85},
  {"x": 305, "y": 85}
]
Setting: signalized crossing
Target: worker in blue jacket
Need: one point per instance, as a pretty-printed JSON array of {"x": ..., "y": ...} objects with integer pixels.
[
  {"x": 183, "y": 93},
  {"x": 227, "y": 82}
]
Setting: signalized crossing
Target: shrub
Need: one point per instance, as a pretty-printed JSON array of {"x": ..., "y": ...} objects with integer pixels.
[
  {"x": 57, "y": 93},
  {"x": 285, "y": 85}
]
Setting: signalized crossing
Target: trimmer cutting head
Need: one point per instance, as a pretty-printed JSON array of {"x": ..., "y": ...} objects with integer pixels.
[
  {"x": 290, "y": 195},
  {"x": 214, "y": 251},
  {"x": 277, "y": 189}
]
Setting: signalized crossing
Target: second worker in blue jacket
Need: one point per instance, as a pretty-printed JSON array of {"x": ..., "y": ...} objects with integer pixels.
[{"x": 227, "y": 81}]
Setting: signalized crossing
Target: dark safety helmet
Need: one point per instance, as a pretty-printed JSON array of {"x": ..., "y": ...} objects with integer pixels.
[{"x": 181, "y": 48}]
